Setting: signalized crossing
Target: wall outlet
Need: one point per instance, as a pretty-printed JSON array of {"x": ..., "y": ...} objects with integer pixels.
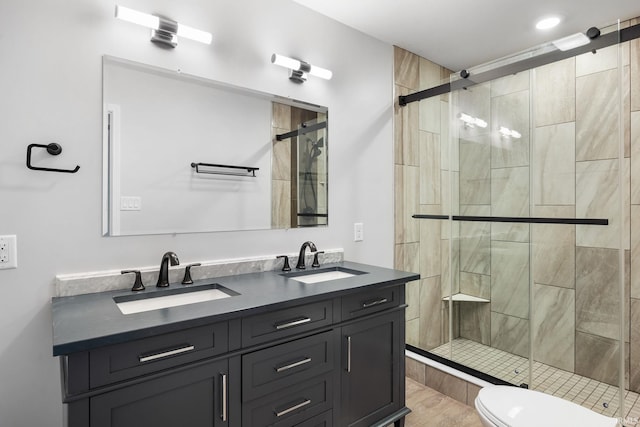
[
  {"x": 130, "y": 203},
  {"x": 358, "y": 232},
  {"x": 8, "y": 252}
]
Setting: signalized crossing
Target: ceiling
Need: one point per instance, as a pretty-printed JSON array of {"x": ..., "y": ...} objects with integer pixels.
[{"x": 464, "y": 33}]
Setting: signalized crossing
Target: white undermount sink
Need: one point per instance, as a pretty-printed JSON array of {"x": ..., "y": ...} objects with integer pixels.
[
  {"x": 130, "y": 304},
  {"x": 324, "y": 275}
]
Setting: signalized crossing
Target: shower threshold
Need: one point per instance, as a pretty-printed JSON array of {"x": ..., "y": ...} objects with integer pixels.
[{"x": 592, "y": 394}]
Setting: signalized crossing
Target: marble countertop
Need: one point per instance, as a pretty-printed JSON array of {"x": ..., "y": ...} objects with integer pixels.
[{"x": 85, "y": 322}]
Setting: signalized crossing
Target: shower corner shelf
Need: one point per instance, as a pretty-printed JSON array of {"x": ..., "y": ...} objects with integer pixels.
[{"x": 465, "y": 298}]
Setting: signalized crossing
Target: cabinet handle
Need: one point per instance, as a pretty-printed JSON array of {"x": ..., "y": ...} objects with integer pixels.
[
  {"x": 374, "y": 302},
  {"x": 223, "y": 386},
  {"x": 291, "y": 323},
  {"x": 348, "y": 354},
  {"x": 150, "y": 357},
  {"x": 293, "y": 408},
  {"x": 293, "y": 365}
]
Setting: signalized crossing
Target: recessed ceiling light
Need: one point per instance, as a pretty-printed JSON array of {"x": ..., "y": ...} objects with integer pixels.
[{"x": 549, "y": 22}]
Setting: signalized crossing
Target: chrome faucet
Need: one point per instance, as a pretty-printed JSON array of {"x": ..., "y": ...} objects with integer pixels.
[
  {"x": 163, "y": 276},
  {"x": 305, "y": 245}
]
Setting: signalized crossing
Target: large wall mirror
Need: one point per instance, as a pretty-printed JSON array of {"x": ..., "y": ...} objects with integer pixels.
[{"x": 184, "y": 154}]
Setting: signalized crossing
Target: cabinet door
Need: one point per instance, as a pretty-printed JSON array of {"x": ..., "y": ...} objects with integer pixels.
[
  {"x": 195, "y": 397},
  {"x": 370, "y": 379}
]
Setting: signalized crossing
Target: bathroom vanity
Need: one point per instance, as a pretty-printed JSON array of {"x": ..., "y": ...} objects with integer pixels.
[{"x": 324, "y": 347}]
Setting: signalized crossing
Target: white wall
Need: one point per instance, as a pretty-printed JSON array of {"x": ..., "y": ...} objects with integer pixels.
[{"x": 50, "y": 90}]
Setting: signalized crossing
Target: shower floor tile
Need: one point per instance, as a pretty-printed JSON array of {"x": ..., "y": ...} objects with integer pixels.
[{"x": 592, "y": 394}]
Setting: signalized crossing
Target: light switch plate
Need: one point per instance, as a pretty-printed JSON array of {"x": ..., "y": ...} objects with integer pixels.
[{"x": 358, "y": 232}]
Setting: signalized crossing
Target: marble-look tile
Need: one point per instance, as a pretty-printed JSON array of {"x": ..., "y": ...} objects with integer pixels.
[
  {"x": 604, "y": 59},
  {"x": 430, "y": 174},
  {"x": 597, "y": 116},
  {"x": 512, "y": 112},
  {"x": 400, "y": 120},
  {"x": 478, "y": 285},
  {"x": 475, "y": 321},
  {"x": 634, "y": 344},
  {"x": 475, "y": 171},
  {"x": 634, "y": 47},
  {"x": 597, "y": 196},
  {"x": 554, "y": 247},
  {"x": 635, "y": 251},
  {"x": 406, "y": 131},
  {"x": 281, "y": 116},
  {"x": 412, "y": 332},
  {"x": 553, "y": 326},
  {"x": 454, "y": 319},
  {"x": 430, "y": 74},
  {"x": 411, "y": 202},
  {"x": 407, "y": 257},
  {"x": 450, "y": 198},
  {"x": 510, "y": 334},
  {"x": 511, "y": 84},
  {"x": 280, "y": 204},
  {"x": 597, "y": 292},
  {"x": 429, "y": 111},
  {"x": 475, "y": 102},
  {"x": 406, "y": 68},
  {"x": 430, "y": 244},
  {"x": 430, "y": 313},
  {"x": 554, "y": 95},
  {"x": 453, "y": 387},
  {"x": 510, "y": 278},
  {"x": 475, "y": 241},
  {"x": 450, "y": 283},
  {"x": 510, "y": 197},
  {"x": 554, "y": 165},
  {"x": 399, "y": 208},
  {"x": 626, "y": 110},
  {"x": 635, "y": 157},
  {"x": 412, "y": 299},
  {"x": 597, "y": 357},
  {"x": 472, "y": 393},
  {"x": 280, "y": 157},
  {"x": 415, "y": 370},
  {"x": 449, "y": 158}
]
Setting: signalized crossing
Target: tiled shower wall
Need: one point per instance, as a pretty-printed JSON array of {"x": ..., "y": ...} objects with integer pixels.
[{"x": 573, "y": 105}]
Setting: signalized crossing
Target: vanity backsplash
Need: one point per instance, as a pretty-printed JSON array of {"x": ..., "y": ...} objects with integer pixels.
[{"x": 101, "y": 281}]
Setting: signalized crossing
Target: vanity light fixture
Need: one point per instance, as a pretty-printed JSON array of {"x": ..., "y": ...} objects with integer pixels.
[
  {"x": 509, "y": 133},
  {"x": 300, "y": 69},
  {"x": 571, "y": 42},
  {"x": 471, "y": 121},
  {"x": 164, "y": 31}
]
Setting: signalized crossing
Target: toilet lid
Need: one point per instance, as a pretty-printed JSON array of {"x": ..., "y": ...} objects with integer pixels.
[{"x": 519, "y": 407}]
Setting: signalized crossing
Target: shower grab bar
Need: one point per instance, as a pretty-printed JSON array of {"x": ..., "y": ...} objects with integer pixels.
[
  {"x": 250, "y": 171},
  {"x": 525, "y": 220}
]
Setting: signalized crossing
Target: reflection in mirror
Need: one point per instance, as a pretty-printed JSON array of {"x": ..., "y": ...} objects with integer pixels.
[
  {"x": 300, "y": 167},
  {"x": 184, "y": 154}
]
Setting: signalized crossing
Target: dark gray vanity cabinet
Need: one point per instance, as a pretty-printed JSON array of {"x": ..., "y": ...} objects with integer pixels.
[{"x": 337, "y": 361}]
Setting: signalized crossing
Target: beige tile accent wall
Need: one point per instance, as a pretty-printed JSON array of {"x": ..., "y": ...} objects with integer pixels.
[{"x": 573, "y": 167}]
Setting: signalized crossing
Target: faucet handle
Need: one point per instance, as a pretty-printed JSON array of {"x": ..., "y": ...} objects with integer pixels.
[
  {"x": 316, "y": 263},
  {"x": 187, "y": 280},
  {"x": 137, "y": 285},
  {"x": 286, "y": 266}
]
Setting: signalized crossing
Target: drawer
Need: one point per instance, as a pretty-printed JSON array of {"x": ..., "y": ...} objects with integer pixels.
[
  {"x": 323, "y": 420},
  {"x": 290, "y": 407},
  {"x": 274, "y": 368},
  {"x": 371, "y": 301},
  {"x": 283, "y": 323},
  {"x": 123, "y": 361}
]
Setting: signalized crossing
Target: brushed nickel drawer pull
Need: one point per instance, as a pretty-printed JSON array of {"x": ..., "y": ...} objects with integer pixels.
[
  {"x": 223, "y": 385},
  {"x": 291, "y": 323},
  {"x": 293, "y": 408},
  {"x": 293, "y": 365},
  {"x": 168, "y": 353},
  {"x": 349, "y": 354},
  {"x": 374, "y": 302}
]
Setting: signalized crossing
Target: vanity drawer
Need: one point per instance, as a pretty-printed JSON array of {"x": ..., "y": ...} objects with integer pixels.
[
  {"x": 371, "y": 301},
  {"x": 283, "y": 323},
  {"x": 274, "y": 368},
  {"x": 123, "y": 361},
  {"x": 290, "y": 407},
  {"x": 323, "y": 420}
]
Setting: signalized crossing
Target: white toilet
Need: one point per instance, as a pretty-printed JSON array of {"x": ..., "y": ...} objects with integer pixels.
[{"x": 506, "y": 406}]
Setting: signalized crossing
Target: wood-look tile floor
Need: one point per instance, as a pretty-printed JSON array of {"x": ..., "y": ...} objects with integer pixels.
[{"x": 433, "y": 409}]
